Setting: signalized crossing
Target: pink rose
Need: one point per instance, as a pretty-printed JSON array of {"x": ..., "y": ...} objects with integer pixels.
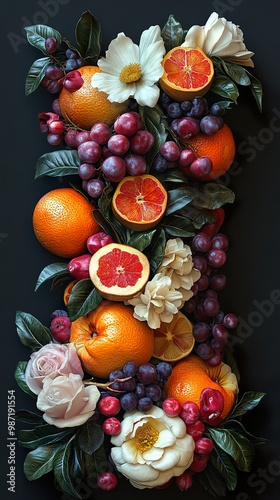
[
  {"x": 50, "y": 361},
  {"x": 66, "y": 401}
]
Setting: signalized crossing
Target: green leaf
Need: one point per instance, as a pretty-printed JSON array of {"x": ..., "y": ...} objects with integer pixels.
[
  {"x": 155, "y": 123},
  {"x": 225, "y": 87},
  {"x": 42, "y": 435},
  {"x": 52, "y": 271},
  {"x": 212, "y": 481},
  {"x": 31, "y": 332},
  {"x": 197, "y": 216},
  {"x": 236, "y": 445},
  {"x": 224, "y": 464},
  {"x": 57, "y": 164},
  {"x": 172, "y": 33},
  {"x": 177, "y": 226},
  {"x": 40, "y": 461},
  {"x": 178, "y": 199},
  {"x": 212, "y": 195},
  {"x": 230, "y": 360},
  {"x": 156, "y": 250},
  {"x": 62, "y": 469},
  {"x": 36, "y": 74},
  {"x": 236, "y": 425},
  {"x": 257, "y": 90},
  {"x": 83, "y": 299},
  {"x": 107, "y": 225},
  {"x": 20, "y": 377},
  {"x": 29, "y": 417},
  {"x": 236, "y": 72},
  {"x": 38, "y": 34},
  {"x": 90, "y": 437},
  {"x": 141, "y": 240},
  {"x": 76, "y": 462},
  {"x": 176, "y": 176},
  {"x": 88, "y": 36},
  {"x": 248, "y": 401}
]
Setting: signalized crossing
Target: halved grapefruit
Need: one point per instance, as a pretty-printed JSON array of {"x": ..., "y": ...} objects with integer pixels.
[
  {"x": 175, "y": 340},
  {"x": 139, "y": 202},
  {"x": 188, "y": 73},
  {"x": 119, "y": 272}
]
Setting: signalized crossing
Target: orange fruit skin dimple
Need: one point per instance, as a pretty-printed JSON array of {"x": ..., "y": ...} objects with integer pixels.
[
  {"x": 220, "y": 148},
  {"x": 88, "y": 105},
  {"x": 109, "y": 336},
  {"x": 62, "y": 222}
]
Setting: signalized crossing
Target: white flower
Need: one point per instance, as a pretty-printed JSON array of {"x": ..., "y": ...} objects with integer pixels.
[
  {"x": 151, "y": 448},
  {"x": 132, "y": 71},
  {"x": 220, "y": 38},
  {"x": 177, "y": 263},
  {"x": 159, "y": 302}
]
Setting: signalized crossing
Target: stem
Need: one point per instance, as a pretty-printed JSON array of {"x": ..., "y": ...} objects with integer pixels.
[{"x": 107, "y": 385}]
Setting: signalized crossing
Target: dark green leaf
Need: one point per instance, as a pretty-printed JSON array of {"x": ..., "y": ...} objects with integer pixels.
[
  {"x": 100, "y": 460},
  {"x": 31, "y": 332},
  {"x": 224, "y": 464},
  {"x": 43, "y": 435},
  {"x": 76, "y": 462},
  {"x": 36, "y": 74},
  {"x": 88, "y": 35},
  {"x": 20, "y": 378},
  {"x": 106, "y": 225},
  {"x": 29, "y": 417},
  {"x": 230, "y": 360},
  {"x": 257, "y": 90},
  {"x": 212, "y": 481},
  {"x": 236, "y": 425},
  {"x": 248, "y": 401},
  {"x": 52, "y": 271},
  {"x": 155, "y": 123},
  {"x": 172, "y": 33},
  {"x": 156, "y": 250},
  {"x": 57, "y": 164},
  {"x": 176, "y": 176},
  {"x": 212, "y": 195},
  {"x": 83, "y": 299},
  {"x": 178, "y": 199},
  {"x": 236, "y": 72},
  {"x": 141, "y": 240},
  {"x": 236, "y": 445},
  {"x": 90, "y": 437},
  {"x": 225, "y": 87},
  {"x": 177, "y": 226},
  {"x": 62, "y": 469},
  {"x": 38, "y": 34},
  {"x": 197, "y": 216},
  {"x": 40, "y": 461}
]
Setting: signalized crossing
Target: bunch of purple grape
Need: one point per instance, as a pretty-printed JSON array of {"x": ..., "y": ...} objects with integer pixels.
[
  {"x": 211, "y": 325},
  {"x": 139, "y": 387}
]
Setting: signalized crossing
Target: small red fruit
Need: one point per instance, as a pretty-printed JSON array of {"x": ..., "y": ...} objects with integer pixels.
[
  {"x": 171, "y": 406},
  {"x": 107, "y": 481},
  {"x": 111, "y": 426},
  {"x": 211, "y": 406},
  {"x": 184, "y": 482},
  {"x": 196, "y": 430},
  {"x": 109, "y": 406},
  {"x": 204, "y": 446},
  {"x": 199, "y": 462},
  {"x": 97, "y": 241},
  {"x": 212, "y": 228},
  {"x": 189, "y": 412},
  {"x": 78, "y": 267},
  {"x": 60, "y": 328}
]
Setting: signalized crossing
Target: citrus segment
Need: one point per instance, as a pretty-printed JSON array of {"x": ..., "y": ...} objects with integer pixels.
[
  {"x": 191, "y": 375},
  {"x": 119, "y": 272},
  {"x": 188, "y": 73},
  {"x": 174, "y": 340},
  {"x": 88, "y": 105},
  {"x": 139, "y": 202},
  {"x": 62, "y": 222},
  {"x": 67, "y": 291},
  {"x": 109, "y": 336}
]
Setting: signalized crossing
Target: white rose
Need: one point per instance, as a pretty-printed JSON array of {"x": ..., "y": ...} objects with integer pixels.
[
  {"x": 151, "y": 448},
  {"x": 220, "y": 38},
  {"x": 50, "y": 361},
  {"x": 66, "y": 401}
]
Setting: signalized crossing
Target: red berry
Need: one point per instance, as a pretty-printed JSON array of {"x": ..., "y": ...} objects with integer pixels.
[
  {"x": 109, "y": 406},
  {"x": 107, "y": 481},
  {"x": 171, "y": 406},
  {"x": 60, "y": 328},
  {"x": 196, "y": 430},
  {"x": 204, "y": 446},
  {"x": 111, "y": 426},
  {"x": 211, "y": 406},
  {"x": 199, "y": 462},
  {"x": 97, "y": 241},
  {"x": 184, "y": 482},
  {"x": 189, "y": 412}
]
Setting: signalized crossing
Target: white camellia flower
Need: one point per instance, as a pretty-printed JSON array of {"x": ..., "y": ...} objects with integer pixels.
[
  {"x": 220, "y": 38},
  {"x": 129, "y": 70},
  {"x": 151, "y": 448}
]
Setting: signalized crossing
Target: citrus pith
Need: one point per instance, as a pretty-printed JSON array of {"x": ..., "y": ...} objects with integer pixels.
[
  {"x": 175, "y": 340},
  {"x": 109, "y": 336}
]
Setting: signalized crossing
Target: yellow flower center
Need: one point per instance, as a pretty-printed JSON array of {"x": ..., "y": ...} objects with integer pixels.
[
  {"x": 130, "y": 73},
  {"x": 145, "y": 437}
]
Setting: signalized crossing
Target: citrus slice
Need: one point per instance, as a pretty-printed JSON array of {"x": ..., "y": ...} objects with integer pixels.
[
  {"x": 188, "y": 73},
  {"x": 175, "y": 340},
  {"x": 119, "y": 272},
  {"x": 68, "y": 290},
  {"x": 139, "y": 202}
]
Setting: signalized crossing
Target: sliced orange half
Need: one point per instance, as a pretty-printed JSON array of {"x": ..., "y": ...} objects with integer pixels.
[
  {"x": 188, "y": 73},
  {"x": 119, "y": 272},
  {"x": 139, "y": 202},
  {"x": 175, "y": 340}
]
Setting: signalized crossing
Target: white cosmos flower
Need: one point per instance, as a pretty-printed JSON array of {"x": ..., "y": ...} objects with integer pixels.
[
  {"x": 129, "y": 70},
  {"x": 151, "y": 448}
]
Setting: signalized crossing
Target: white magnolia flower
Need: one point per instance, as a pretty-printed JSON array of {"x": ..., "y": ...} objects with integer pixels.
[
  {"x": 151, "y": 448},
  {"x": 177, "y": 263},
  {"x": 159, "y": 301},
  {"x": 220, "y": 38},
  {"x": 129, "y": 70}
]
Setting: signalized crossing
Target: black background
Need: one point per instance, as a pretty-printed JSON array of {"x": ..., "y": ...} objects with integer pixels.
[{"x": 252, "y": 223}]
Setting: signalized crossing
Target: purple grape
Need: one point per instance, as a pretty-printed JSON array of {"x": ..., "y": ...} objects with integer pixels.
[
  {"x": 129, "y": 401},
  {"x": 201, "y": 331},
  {"x": 204, "y": 350},
  {"x": 201, "y": 242},
  {"x": 230, "y": 321},
  {"x": 129, "y": 369},
  {"x": 164, "y": 370},
  {"x": 147, "y": 373},
  {"x": 144, "y": 404},
  {"x": 153, "y": 391}
]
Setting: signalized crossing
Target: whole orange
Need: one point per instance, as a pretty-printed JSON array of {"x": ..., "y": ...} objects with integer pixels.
[
  {"x": 220, "y": 148},
  {"x": 109, "y": 336},
  {"x": 191, "y": 375},
  {"x": 88, "y": 105},
  {"x": 62, "y": 222}
]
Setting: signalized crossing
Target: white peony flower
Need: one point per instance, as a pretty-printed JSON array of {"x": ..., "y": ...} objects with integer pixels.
[
  {"x": 129, "y": 70},
  {"x": 220, "y": 38},
  {"x": 151, "y": 448},
  {"x": 159, "y": 301},
  {"x": 177, "y": 263}
]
